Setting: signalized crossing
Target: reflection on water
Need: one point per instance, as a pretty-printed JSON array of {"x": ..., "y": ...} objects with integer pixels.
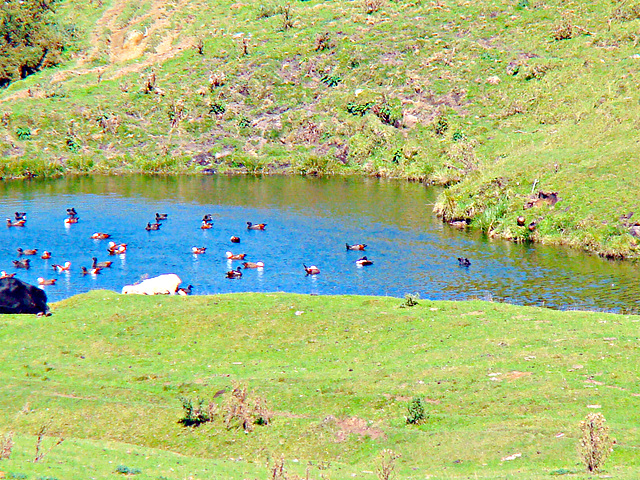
[{"x": 308, "y": 221}]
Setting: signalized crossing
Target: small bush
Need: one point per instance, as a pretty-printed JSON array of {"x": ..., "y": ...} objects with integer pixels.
[
  {"x": 415, "y": 411},
  {"x": 331, "y": 80},
  {"x": 385, "y": 470},
  {"x": 194, "y": 415},
  {"x": 127, "y": 471},
  {"x": 372, "y": 6},
  {"x": 441, "y": 126},
  {"x": 6, "y": 445},
  {"x": 72, "y": 144},
  {"x": 562, "y": 31},
  {"x": 595, "y": 444},
  {"x": 242, "y": 412},
  {"x": 359, "y": 109},
  {"x": 323, "y": 42},
  {"x": 23, "y": 133},
  {"x": 410, "y": 300},
  {"x": 217, "y": 109}
]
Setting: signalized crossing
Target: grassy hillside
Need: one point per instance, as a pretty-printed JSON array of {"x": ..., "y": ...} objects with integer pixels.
[
  {"x": 497, "y": 99},
  {"x": 107, "y": 372}
]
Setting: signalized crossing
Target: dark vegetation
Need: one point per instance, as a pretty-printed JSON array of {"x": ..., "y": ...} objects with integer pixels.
[{"x": 30, "y": 38}]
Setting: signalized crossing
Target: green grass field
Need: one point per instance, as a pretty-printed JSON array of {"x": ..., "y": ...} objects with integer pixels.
[
  {"x": 108, "y": 372},
  {"x": 498, "y": 99}
]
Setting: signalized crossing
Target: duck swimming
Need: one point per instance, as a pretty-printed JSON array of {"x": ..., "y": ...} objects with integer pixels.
[
  {"x": 205, "y": 225},
  {"x": 237, "y": 273},
  {"x": 257, "y": 226},
  {"x": 116, "y": 248},
  {"x": 70, "y": 220},
  {"x": 235, "y": 239},
  {"x": 198, "y": 250},
  {"x": 45, "y": 281},
  {"x": 100, "y": 236},
  {"x": 237, "y": 256},
  {"x": 185, "y": 290},
  {"x": 464, "y": 262},
  {"x": 357, "y": 246},
  {"x": 92, "y": 271},
  {"x": 20, "y": 215},
  {"x": 22, "y": 263},
  {"x": 4, "y": 274},
  {"x": 161, "y": 216},
  {"x": 312, "y": 270},
  {"x": 45, "y": 255},
  {"x": 27, "y": 251},
  {"x": 152, "y": 226},
  {"x": 253, "y": 265},
  {"x": 17, "y": 223},
  {"x": 62, "y": 268},
  {"x": 96, "y": 264},
  {"x": 363, "y": 262}
]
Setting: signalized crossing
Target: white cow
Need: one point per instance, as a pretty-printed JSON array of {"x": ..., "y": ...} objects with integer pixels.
[{"x": 161, "y": 285}]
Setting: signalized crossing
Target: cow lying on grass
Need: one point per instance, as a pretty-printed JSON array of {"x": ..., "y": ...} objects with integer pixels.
[
  {"x": 161, "y": 285},
  {"x": 19, "y": 297}
]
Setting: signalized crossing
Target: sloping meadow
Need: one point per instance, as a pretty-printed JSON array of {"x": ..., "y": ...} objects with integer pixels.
[{"x": 503, "y": 387}]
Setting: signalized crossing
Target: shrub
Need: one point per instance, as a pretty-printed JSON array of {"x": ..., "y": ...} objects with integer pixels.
[
  {"x": 194, "y": 415},
  {"x": 441, "y": 126},
  {"x": 127, "y": 471},
  {"x": 595, "y": 444},
  {"x": 371, "y": 6},
  {"x": 23, "y": 133},
  {"x": 331, "y": 80},
  {"x": 415, "y": 411},
  {"x": 323, "y": 42},
  {"x": 359, "y": 109},
  {"x": 217, "y": 108},
  {"x": 385, "y": 470},
  {"x": 242, "y": 412},
  {"x": 6, "y": 445},
  {"x": 410, "y": 300}
]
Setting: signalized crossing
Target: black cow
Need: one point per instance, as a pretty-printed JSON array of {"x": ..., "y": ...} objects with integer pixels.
[{"x": 19, "y": 297}]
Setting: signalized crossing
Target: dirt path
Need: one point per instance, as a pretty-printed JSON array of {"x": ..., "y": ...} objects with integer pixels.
[{"x": 124, "y": 43}]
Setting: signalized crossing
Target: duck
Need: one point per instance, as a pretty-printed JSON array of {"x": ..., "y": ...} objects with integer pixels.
[
  {"x": 72, "y": 212},
  {"x": 312, "y": 270},
  {"x": 100, "y": 236},
  {"x": 357, "y": 246},
  {"x": 198, "y": 250},
  {"x": 161, "y": 216},
  {"x": 207, "y": 218},
  {"x": 62, "y": 268},
  {"x": 363, "y": 262},
  {"x": 92, "y": 270},
  {"x": 253, "y": 265},
  {"x": 152, "y": 226},
  {"x": 21, "y": 215},
  {"x": 116, "y": 248},
  {"x": 205, "y": 225},
  {"x": 17, "y": 223},
  {"x": 237, "y": 273},
  {"x": 33, "y": 251},
  {"x": 184, "y": 291},
  {"x": 464, "y": 262},
  {"x": 96, "y": 264},
  {"x": 70, "y": 220},
  {"x": 237, "y": 256},
  {"x": 235, "y": 239},
  {"x": 22, "y": 263},
  {"x": 46, "y": 281},
  {"x": 257, "y": 226},
  {"x": 4, "y": 274},
  {"x": 45, "y": 255}
]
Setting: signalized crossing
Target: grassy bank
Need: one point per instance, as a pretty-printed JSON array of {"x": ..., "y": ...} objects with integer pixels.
[
  {"x": 498, "y": 99},
  {"x": 108, "y": 372}
]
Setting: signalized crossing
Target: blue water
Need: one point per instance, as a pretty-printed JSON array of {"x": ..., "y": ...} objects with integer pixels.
[{"x": 308, "y": 222}]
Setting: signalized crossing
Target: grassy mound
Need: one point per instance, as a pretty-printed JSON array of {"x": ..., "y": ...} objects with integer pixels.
[
  {"x": 499, "y": 99},
  {"x": 503, "y": 387}
]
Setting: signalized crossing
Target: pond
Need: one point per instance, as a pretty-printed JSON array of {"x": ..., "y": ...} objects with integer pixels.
[{"x": 309, "y": 221}]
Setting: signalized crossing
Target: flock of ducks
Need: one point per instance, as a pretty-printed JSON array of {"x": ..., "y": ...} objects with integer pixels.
[{"x": 113, "y": 248}]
